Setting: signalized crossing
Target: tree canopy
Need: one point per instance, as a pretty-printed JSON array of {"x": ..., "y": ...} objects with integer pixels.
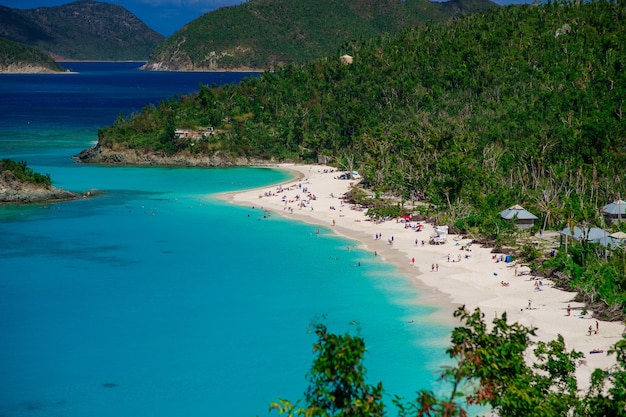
[
  {"x": 24, "y": 173},
  {"x": 490, "y": 368},
  {"x": 262, "y": 34},
  {"x": 518, "y": 104}
]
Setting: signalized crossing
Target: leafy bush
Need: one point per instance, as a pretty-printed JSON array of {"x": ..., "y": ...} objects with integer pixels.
[{"x": 23, "y": 173}]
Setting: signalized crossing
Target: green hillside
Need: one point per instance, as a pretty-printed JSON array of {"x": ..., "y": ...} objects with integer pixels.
[
  {"x": 15, "y": 57},
  {"x": 519, "y": 105},
  {"x": 478, "y": 112},
  {"x": 83, "y": 30},
  {"x": 262, "y": 34}
]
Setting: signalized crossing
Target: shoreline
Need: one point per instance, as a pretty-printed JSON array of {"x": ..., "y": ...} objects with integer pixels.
[{"x": 466, "y": 274}]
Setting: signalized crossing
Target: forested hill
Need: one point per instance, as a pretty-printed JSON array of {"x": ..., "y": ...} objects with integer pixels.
[
  {"x": 18, "y": 58},
  {"x": 521, "y": 104},
  {"x": 264, "y": 34},
  {"x": 83, "y": 30}
]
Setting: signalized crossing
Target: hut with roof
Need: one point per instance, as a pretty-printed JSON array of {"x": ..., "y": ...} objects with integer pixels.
[
  {"x": 523, "y": 218},
  {"x": 615, "y": 212},
  {"x": 591, "y": 235}
]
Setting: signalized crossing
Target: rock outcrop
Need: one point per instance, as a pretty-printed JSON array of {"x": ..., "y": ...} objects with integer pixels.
[
  {"x": 12, "y": 190},
  {"x": 106, "y": 156}
]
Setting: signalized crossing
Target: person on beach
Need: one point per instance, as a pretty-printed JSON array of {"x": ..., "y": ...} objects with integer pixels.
[
  {"x": 432, "y": 268},
  {"x": 436, "y": 267},
  {"x": 569, "y": 310},
  {"x": 597, "y": 327},
  {"x": 412, "y": 261}
]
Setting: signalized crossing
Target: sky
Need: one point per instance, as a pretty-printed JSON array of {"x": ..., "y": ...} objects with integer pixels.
[{"x": 164, "y": 16}]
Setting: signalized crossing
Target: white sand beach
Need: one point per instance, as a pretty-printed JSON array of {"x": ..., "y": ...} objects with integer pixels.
[{"x": 470, "y": 277}]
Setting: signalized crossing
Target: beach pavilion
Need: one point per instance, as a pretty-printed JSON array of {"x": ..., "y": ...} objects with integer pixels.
[
  {"x": 590, "y": 234},
  {"x": 522, "y": 217},
  {"x": 615, "y": 211}
]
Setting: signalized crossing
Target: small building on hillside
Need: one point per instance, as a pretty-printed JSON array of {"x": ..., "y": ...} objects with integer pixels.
[
  {"x": 522, "y": 217},
  {"x": 194, "y": 135},
  {"x": 346, "y": 59},
  {"x": 615, "y": 211}
]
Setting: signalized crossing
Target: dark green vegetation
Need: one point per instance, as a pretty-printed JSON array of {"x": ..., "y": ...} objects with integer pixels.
[
  {"x": 489, "y": 368},
  {"x": 263, "y": 34},
  {"x": 83, "y": 30},
  {"x": 23, "y": 173},
  {"x": 520, "y": 105},
  {"x": 15, "y": 57}
]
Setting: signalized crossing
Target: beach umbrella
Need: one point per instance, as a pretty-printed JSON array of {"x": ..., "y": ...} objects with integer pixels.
[{"x": 618, "y": 235}]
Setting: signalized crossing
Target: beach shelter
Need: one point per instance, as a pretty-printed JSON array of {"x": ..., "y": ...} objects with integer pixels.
[
  {"x": 590, "y": 234},
  {"x": 522, "y": 217},
  {"x": 615, "y": 211}
]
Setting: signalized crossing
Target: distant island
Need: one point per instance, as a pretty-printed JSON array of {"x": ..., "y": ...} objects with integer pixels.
[
  {"x": 19, "y": 184},
  {"x": 80, "y": 31}
]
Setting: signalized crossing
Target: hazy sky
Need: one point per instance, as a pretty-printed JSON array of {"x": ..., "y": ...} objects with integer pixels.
[{"x": 164, "y": 16}]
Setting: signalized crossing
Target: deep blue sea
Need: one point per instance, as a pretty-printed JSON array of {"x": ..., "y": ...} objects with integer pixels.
[{"x": 156, "y": 299}]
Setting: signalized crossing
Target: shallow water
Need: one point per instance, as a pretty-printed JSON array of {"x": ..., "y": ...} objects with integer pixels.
[{"x": 155, "y": 298}]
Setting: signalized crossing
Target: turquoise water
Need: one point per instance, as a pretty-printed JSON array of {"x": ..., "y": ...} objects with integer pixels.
[{"x": 155, "y": 298}]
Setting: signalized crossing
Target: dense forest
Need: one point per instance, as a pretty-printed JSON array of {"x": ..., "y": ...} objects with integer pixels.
[
  {"x": 264, "y": 34},
  {"x": 517, "y": 105}
]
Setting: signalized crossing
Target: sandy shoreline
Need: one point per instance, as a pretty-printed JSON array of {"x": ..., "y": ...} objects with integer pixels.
[{"x": 471, "y": 277}]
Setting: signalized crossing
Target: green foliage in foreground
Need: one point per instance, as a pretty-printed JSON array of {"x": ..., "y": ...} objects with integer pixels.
[
  {"x": 23, "y": 173},
  {"x": 490, "y": 369}
]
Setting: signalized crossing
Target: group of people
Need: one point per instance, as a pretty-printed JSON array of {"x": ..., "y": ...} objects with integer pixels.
[{"x": 596, "y": 331}]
